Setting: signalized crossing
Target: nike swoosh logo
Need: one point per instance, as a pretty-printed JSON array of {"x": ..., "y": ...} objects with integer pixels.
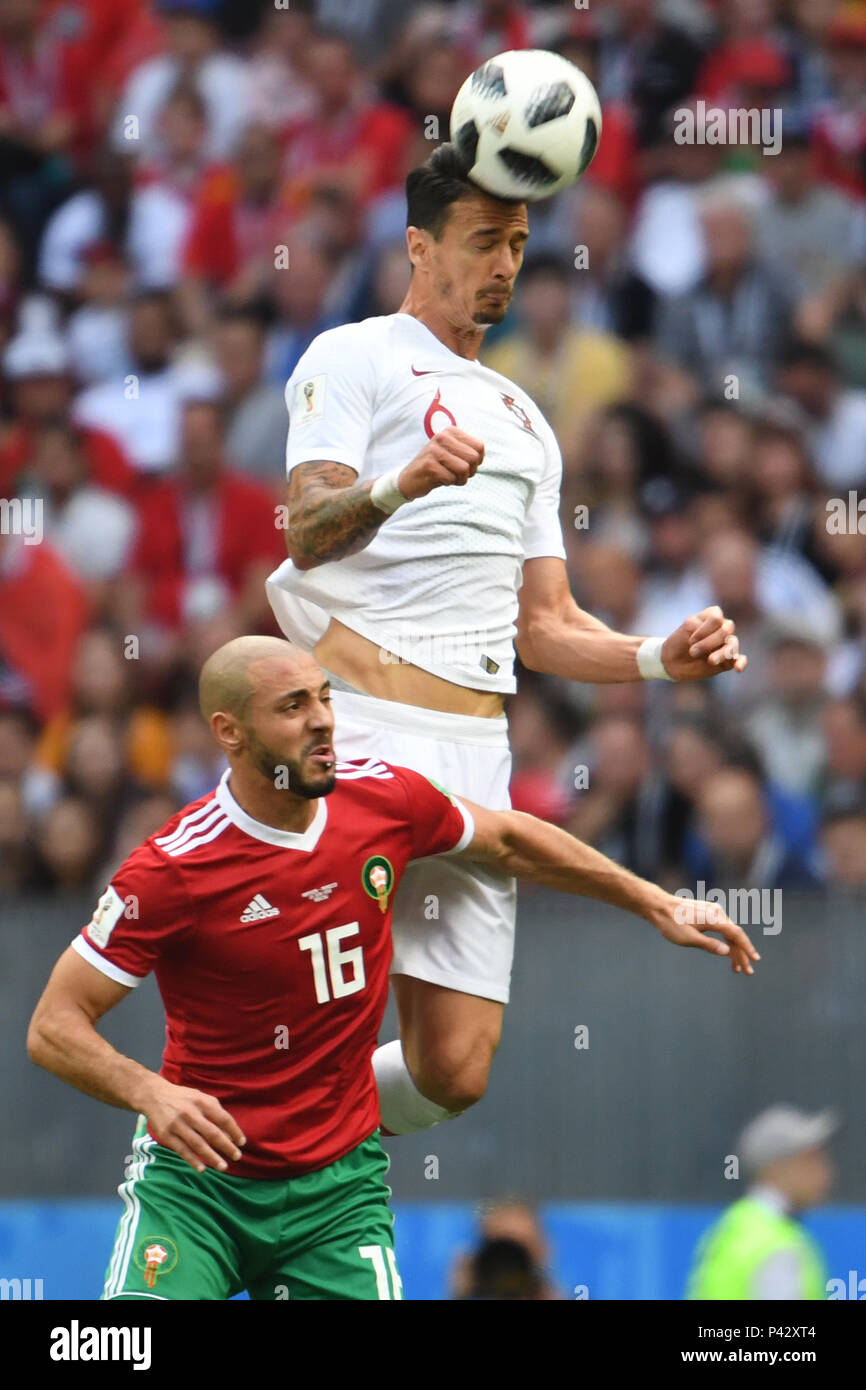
[{"x": 428, "y": 371}]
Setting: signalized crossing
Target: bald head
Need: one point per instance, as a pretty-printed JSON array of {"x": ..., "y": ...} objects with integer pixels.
[
  {"x": 228, "y": 677},
  {"x": 268, "y": 706}
]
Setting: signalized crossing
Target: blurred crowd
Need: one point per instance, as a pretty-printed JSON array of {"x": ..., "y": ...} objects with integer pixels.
[{"x": 191, "y": 190}]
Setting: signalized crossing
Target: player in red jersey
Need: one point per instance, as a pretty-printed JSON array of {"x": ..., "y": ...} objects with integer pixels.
[{"x": 264, "y": 911}]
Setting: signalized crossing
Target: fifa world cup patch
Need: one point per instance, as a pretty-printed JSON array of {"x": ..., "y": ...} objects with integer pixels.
[
  {"x": 105, "y": 918},
  {"x": 377, "y": 878},
  {"x": 309, "y": 401},
  {"x": 155, "y": 1255}
]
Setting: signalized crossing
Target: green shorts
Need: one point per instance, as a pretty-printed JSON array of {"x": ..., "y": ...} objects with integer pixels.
[{"x": 188, "y": 1235}]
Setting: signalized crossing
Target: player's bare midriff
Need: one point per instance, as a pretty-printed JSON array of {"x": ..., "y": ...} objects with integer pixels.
[{"x": 360, "y": 662}]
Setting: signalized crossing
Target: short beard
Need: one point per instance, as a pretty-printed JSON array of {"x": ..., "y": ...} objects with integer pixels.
[{"x": 272, "y": 767}]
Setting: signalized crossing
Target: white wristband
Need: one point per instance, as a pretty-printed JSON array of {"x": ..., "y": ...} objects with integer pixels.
[
  {"x": 385, "y": 493},
  {"x": 649, "y": 660}
]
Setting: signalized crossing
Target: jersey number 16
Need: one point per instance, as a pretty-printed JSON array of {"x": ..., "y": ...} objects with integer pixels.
[{"x": 337, "y": 963}]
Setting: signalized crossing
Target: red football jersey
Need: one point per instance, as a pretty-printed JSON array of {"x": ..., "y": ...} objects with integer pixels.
[{"x": 271, "y": 950}]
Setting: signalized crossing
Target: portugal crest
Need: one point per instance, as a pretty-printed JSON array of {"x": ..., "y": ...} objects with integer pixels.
[{"x": 519, "y": 412}]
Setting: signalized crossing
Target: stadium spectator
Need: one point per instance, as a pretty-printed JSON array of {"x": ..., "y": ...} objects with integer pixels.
[
  {"x": 16, "y": 852},
  {"x": 69, "y": 842},
  {"x": 38, "y": 370},
  {"x": 281, "y": 91},
  {"x": 754, "y": 585},
  {"x": 805, "y": 44},
  {"x": 667, "y": 246},
  {"x": 95, "y": 770},
  {"x": 502, "y": 1269},
  {"x": 724, "y": 446},
  {"x": 97, "y": 330},
  {"x": 738, "y": 845},
  {"x": 389, "y": 280},
  {"x": 140, "y": 408},
  {"x": 615, "y": 813},
  {"x": 483, "y": 28},
  {"x": 784, "y": 487},
  {"x": 193, "y": 53},
  {"x": 693, "y": 750},
  {"x": 648, "y": 61},
  {"x": 208, "y": 536},
  {"x": 839, "y": 132},
  {"x": 256, "y": 415},
  {"x": 104, "y": 686},
  {"x": 90, "y": 527},
  {"x": 300, "y": 297},
  {"x": 43, "y": 613},
  {"x": 19, "y": 736},
  {"x": 238, "y": 224},
  {"x": 43, "y": 113},
  {"x": 810, "y": 231},
  {"x": 843, "y": 727},
  {"x": 837, "y": 415},
  {"x": 146, "y": 225},
  {"x": 615, "y": 163},
  {"x": 758, "y": 1248},
  {"x": 543, "y": 733},
  {"x": 353, "y": 141},
  {"x": 511, "y": 1258},
  {"x": 836, "y": 318},
  {"x": 607, "y": 295},
  {"x": 733, "y": 323},
  {"x": 181, "y": 162},
  {"x": 784, "y": 728},
  {"x": 10, "y": 278},
  {"x": 843, "y": 847}
]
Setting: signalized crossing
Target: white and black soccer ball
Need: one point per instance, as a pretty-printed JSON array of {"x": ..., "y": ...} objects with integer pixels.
[{"x": 526, "y": 124}]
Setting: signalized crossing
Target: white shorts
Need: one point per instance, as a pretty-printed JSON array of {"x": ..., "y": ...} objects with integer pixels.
[{"x": 470, "y": 945}]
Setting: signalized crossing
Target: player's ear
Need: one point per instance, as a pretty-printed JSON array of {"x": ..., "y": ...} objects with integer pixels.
[
  {"x": 227, "y": 731},
  {"x": 418, "y": 242}
]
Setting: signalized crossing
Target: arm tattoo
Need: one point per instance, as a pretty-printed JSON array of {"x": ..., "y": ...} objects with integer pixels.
[{"x": 329, "y": 517}]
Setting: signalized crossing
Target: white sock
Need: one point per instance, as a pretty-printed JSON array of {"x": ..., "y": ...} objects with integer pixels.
[{"x": 404, "y": 1110}]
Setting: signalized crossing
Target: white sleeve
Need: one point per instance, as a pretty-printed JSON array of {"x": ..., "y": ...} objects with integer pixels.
[
  {"x": 779, "y": 1277},
  {"x": 542, "y": 530},
  {"x": 330, "y": 398}
]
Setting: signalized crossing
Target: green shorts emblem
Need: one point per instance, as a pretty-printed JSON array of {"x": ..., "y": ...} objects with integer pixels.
[{"x": 155, "y": 1255}]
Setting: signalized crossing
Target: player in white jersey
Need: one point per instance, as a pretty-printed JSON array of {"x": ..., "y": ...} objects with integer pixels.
[{"x": 413, "y": 594}]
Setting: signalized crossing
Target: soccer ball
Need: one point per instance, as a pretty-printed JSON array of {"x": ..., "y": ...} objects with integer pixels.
[{"x": 526, "y": 124}]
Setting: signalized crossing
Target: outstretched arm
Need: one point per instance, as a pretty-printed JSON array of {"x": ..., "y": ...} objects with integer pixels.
[
  {"x": 525, "y": 847},
  {"x": 557, "y": 637}
]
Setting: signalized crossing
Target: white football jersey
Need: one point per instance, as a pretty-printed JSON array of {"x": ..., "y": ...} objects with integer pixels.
[{"x": 437, "y": 586}]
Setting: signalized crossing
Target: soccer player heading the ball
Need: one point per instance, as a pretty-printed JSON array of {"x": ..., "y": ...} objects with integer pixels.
[
  {"x": 423, "y": 534},
  {"x": 265, "y": 910}
]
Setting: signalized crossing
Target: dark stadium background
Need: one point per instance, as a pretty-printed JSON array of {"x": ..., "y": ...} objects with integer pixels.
[{"x": 158, "y": 281}]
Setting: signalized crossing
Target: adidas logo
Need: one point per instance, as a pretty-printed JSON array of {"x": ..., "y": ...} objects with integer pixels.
[
  {"x": 319, "y": 895},
  {"x": 258, "y": 910}
]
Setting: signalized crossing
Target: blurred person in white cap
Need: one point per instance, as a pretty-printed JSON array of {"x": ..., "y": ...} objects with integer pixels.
[{"x": 758, "y": 1249}]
